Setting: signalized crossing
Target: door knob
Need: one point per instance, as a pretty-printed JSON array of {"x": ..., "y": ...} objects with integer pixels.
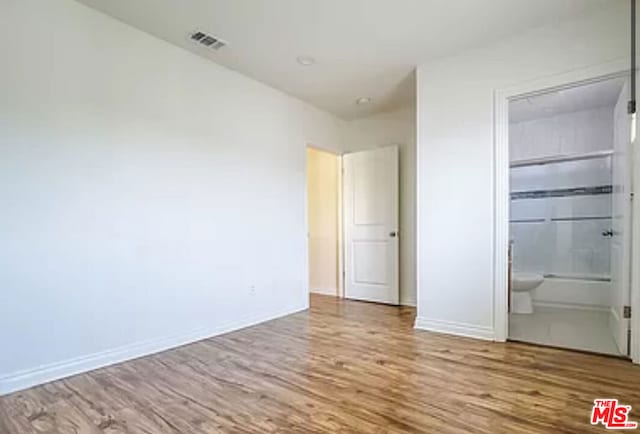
[
  {"x": 608, "y": 233},
  {"x": 393, "y": 234}
]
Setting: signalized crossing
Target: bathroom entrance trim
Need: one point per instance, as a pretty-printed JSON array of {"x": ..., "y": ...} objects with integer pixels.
[{"x": 502, "y": 97}]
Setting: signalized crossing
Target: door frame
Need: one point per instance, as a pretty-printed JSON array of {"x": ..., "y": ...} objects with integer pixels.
[
  {"x": 340, "y": 235},
  {"x": 618, "y": 68}
]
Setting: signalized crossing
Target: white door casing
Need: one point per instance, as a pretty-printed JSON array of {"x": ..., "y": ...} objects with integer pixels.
[
  {"x": 371, "y": 233},
  {"x": 502, "y": 97},
  {"x": 621, "y": 223}
]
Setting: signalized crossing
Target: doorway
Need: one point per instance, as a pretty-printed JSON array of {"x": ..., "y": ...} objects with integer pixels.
[
  {"x": 569, "y": 218},
  {"x": 353, "y": 224},
  {"x": 324, "y": 222},
  {"x": 569, "y": 227}
]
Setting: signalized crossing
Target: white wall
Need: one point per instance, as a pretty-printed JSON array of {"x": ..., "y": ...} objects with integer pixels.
[
  {"x": 323, "y": 213},
  {"x": 455, "y": 158},
  {"x": 396, "y": 127},
  {"x": 148, "y": 196}
]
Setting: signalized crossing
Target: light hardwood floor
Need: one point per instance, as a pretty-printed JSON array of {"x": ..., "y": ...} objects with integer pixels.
[{"x": 342, "y": 367}]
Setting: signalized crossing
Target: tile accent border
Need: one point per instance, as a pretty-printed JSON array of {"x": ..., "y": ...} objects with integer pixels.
[
  {"x": 579, "y": 219},
  {"x": 527, "y": 221},
  {"x": 562, "y": 192}
]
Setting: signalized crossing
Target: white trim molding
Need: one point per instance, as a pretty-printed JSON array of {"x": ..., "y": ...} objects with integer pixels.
[
  {"x": 417, "y": 193},
  {"x": 634, "y": 351},
  {"x": 502, "y": 97},
  {"x": 455, "y": 328},
  {"x": 501, "y": 217},
  {"x": 333, "y": 291},
  {"x": 409, "y": 301},
  {"x": 44, "y": 374}
]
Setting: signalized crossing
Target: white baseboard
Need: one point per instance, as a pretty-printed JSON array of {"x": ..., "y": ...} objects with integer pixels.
[
  {"x": 408, "y": 302},
  {"x": 324, "y": 291},
  {"x": 44, "y": 374},
  {"x": 455, "y": 328}
]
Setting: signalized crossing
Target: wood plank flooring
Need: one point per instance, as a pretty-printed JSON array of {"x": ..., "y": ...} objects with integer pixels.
[{"x": 342, "y": 367}]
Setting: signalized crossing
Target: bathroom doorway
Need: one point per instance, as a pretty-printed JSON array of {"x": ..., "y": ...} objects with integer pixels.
[{"x": 570, "y": 217}]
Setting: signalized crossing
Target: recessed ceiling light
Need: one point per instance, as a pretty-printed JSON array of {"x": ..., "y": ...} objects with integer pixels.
[
  {"x": 306, "y": 60},
  {"x": 363, "y": 100}
]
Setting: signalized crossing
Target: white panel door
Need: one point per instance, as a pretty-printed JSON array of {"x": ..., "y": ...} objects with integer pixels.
[
  {"x": 371, "y": 234},
  {"x": 621, "y": 223}
]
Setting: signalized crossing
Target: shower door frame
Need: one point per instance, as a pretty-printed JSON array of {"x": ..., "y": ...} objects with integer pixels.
[{"x": 502, "y": 97}]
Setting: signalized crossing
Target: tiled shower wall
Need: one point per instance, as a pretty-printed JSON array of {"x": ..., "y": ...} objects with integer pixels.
[
  {"x": 556, "y": 227},
  {"x": 569, "y": 133}
]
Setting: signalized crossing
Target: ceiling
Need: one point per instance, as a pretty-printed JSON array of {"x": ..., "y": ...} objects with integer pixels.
[
  {"x": 362, "y": 48},
  {"x": 590, "y": 96}
]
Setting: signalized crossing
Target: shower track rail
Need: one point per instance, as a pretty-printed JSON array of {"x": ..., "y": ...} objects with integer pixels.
[
  {"x": 577, "y": 277},
  {"x": 561, "y": 159},
  {"x": 559, "y": 219}
]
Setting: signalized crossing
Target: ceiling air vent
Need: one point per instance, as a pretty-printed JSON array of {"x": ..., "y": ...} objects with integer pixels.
[{"x": 209, "y": 41}]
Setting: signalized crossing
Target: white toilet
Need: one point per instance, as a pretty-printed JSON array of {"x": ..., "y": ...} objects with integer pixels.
[{"x": 521, "y": 286}]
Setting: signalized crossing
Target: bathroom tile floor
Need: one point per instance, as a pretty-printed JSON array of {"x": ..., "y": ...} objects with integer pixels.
[{"x": 565, "y": 328}]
